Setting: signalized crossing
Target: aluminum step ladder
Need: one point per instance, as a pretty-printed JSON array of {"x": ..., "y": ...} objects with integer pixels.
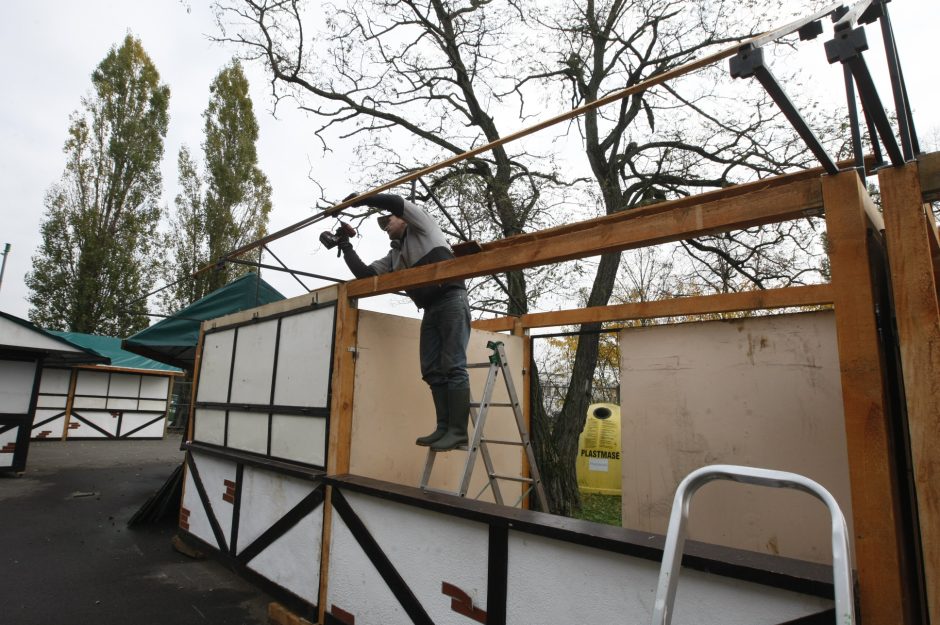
[
  {"x": 676, "y": 534},
  {"x": 477, "y": 443}
]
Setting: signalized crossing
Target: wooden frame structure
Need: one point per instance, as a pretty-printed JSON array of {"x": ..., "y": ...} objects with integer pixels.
[{"x": 888, "y": 575}]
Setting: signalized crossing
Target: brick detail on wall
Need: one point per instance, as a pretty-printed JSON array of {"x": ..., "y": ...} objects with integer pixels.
[
  {"x": 8, "y": 448},
  {"x": 229, "y": 494},
  {"x": 342, "y": 615},
  {"x": 44, "y": 434},
  {"x": 461, "y": 603},
  {"x": 184, "y": 518},
  {"x": 74, "y": 425}
]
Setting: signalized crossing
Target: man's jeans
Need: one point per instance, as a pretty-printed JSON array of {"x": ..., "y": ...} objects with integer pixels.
[{"x": 445, "y": 332}]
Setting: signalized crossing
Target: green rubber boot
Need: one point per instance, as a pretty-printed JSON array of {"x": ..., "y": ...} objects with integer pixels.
[
  {"x": 440, "y": 408},
  {"x": 458, "y": 407}
]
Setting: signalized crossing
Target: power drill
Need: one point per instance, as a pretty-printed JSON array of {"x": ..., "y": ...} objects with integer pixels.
[{"x": 331, "y": 239}]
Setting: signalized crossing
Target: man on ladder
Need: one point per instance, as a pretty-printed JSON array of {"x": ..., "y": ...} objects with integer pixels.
[{"x": 416, "y": 240}]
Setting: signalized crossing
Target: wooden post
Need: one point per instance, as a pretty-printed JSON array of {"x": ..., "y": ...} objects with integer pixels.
[
  {"x": 341, "y": 412},
  {"x": 909, "y": 227},
  {"x": 69, "y": 400},
  {"x": 850, "y": 215},
  {"x": 197, "y": 363}
]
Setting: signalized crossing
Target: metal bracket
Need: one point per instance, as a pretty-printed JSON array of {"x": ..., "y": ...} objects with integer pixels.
[
  {"x": 748, "y": 62},
  {"x": 847, "y": 47}
]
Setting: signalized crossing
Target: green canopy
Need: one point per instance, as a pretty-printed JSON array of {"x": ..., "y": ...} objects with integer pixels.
[
  {"x": 173, "y": 340},
  {"x": 110, "y": 347}
]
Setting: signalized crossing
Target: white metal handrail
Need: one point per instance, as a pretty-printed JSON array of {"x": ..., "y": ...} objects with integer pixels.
[{"x": 675, "y": 536}]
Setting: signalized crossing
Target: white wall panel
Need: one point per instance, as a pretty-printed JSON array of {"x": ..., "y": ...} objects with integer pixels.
[
  {"x": 248, "y": 431},
  {"x": 16, "y": 385},
  {"x": 51, "y": 401},
  {"x": 55, "y": 381},
  {"x": 90, "y": 402},
  {"x": 293, "y": 560},
  {"x": 103, "y": 420},
  {"x": 199, "y": 525},
  {"x": 155, "y": 405},
  {"x": 299, "y": 438},
  {"x": 121, "y": 404},
  {"x": 215, "y": 366},
  {"x": 124, "y": 385},
  {"x": 133, "y": 420},
  {"x": 91, "y": 383},
  {"x": 304, "y": 358},
  {"x": 154, "y": 386},
  {"x": 214, "y": 472},
  {"x": 51, "y": 430},
  {"x": 549, "y": 582},
  {"x": 254, "y": 363},
  {"x": 209, "y": 426},
  {"x": 356, "y": 587},
  {"x": 6, "y": 458},
  {"x": 266, "y": 497},
  {"x": 428, "y": 548}
]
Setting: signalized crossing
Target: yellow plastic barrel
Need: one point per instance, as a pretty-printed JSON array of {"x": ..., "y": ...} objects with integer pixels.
[{"x": 599, "y": 451}]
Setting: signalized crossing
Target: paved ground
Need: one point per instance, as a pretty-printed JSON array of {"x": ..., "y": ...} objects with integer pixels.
[{"x": 67, "y": 555}]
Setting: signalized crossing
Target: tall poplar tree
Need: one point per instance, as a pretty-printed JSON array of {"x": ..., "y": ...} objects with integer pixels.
[
  {"x": 234, "y": 206},
  {"x": 100, "y": 249}
]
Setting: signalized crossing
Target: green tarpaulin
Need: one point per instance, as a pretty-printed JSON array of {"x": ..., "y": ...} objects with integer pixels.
[
  {"x": 173, "y": 340},
  {"x": 110, "y": 347}
]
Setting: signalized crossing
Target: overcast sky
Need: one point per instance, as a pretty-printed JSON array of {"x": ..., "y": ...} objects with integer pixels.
[{"x": 48, "y": 49}]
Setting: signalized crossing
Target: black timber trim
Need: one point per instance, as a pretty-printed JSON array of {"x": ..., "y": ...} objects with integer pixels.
[
  {"x": 310, "y": 411},
  {"x": 44, "y": 421},
  {"x": 380, "y": 561},
  {"x": 776, "y": 571},
  {"x": 206, "y": 504},
  {"x": 825, "y": 617},
  {"x": 291, "y": 601},
  {"x": 147, "y": 424},
  {"x": 237, "y": 507},
  {"x": 277, "y": 352},
  {"x": 293, "y": 516},
  {"x": 79, "y": 417},
  {"x": 285, "y": 467},
  {"x": 497, "y": 577},
  {"x": 272, "y": 317}
]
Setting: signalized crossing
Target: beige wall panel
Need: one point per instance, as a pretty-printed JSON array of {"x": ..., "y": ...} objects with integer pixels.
[
  {"x": 762, "y": 392},
  {"x": 392, "y": 407}
]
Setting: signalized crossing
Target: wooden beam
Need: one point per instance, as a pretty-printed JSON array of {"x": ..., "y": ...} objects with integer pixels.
[
  {"x": 929, "y": 174},
  {"x": 813, "y": 295},
  {"x": 909, "y": 230},
  {"x": 875, "y": 501},
  {"x": 197, "y": 365},
  {"x": 641, "y": 228},
  {"x": 69, "y": 400},
  {"x": 346, "y": 338}
]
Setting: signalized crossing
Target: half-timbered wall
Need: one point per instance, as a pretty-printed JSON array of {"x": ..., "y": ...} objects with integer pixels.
[
  {"x": 105, "y": 404},
  {"x": 264, "y": 385},
  {"x": 18, "y": 386}
]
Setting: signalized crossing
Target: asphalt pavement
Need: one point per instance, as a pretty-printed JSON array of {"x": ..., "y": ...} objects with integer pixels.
[{"x": 66, "y": 554}]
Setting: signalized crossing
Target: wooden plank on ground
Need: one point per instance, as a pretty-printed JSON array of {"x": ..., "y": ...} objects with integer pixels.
[
  {"x": 909, "y": 230},
  {"x": 877, "y": 540},
  {"x": 817, "y": 294}
]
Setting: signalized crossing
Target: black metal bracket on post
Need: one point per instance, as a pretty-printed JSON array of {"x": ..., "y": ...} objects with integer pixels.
[
  {"x": 748, "y": 62},
  {"x": 847, "y": 47}
]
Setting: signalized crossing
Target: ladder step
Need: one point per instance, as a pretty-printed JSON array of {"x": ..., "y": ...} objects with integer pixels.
[
  {"x": 491, "y": 405},
  {"x": 478, "y": 365},
  {"x": 495, "y": 441},
  {"x": 512, "y": 478}
]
